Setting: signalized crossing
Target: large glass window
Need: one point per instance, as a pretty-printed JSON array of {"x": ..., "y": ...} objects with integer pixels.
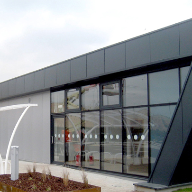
[
  {"x": 164, "y": 86},
  {"x": 73, "y": 99},
  {"x": 136, "y": 141},
  {"x": 160, "y": 118},
  {"x": 91, "y": 139},
  {"x": 110, "y": 94},
  {"x": 59, "y": 139},
  {"x": 57, "y": 102},
  {"x": 183, "y": 72},
  {"x": 73, "y": 139},
  {"x": 111, "y": 140},
  {"x": 90, "y": 97},
  {"x": 135, "y": 91}
]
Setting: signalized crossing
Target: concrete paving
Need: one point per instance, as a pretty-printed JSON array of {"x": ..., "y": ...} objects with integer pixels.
[{"x": 107, "y": 182}]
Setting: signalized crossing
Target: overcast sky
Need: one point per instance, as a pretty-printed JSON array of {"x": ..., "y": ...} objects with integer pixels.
[{"x": 38, "y": 33}]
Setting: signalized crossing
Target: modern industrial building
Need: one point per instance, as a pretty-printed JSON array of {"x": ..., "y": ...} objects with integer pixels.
[{"x": 112, "y": 109}]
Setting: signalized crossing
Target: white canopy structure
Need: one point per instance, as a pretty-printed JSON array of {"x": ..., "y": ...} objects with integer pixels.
[{"x": 26, "y": 106}]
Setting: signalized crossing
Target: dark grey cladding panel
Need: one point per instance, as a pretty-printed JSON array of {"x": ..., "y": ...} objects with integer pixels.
[
  {"x": 137, "y": 52},
  {"x": 95, "y": 63},
  {"x": 63, "y": 73},
  {"x": 4, "y": 89},
  {"x": 78, "y": 68},
  {"x": 50, "y": 76},
  {"x": 12, "y": 87},
  {"x": 186, "y": 38},
  {"x": 165, "y": 44},
  {"x": 20, "y": 85},
  {"x": 39, "y": 80},
  {"x": 29, "y": 82},
  {"x": 115, "y": 58}
]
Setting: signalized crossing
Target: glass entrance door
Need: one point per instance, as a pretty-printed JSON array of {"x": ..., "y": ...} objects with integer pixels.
[{"x": 57, "y": 140}]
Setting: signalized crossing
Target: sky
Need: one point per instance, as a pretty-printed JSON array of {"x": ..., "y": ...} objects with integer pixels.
[{"x": 38, "y": 33}]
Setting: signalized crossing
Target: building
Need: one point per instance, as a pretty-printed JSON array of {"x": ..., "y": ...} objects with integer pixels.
[{"x": 107, "y": 110}]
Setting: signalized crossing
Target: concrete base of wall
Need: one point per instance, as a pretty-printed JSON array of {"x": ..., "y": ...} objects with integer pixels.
[{"x": 151, "y": 187}]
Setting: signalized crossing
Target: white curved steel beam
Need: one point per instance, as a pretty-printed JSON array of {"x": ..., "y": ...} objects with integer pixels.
[{"x": 27, "y": 106}]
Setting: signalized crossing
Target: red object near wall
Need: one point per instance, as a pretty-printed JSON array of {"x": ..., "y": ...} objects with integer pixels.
[
  {"x": 91, "y": 160},
  {"x": 78, "y": 160}
]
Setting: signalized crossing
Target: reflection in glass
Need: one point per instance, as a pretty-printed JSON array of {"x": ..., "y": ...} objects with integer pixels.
[
  {"x": 111, "y": 147},
  {"x": 160, "y": 119},
  {"x": 184, "y": 71},
  {"x": 57, "y": 102},
  {"x": 110, "y": 94},
  {"x": 135, "y": 90},
  {"x": 91, "y": 139},
  {"x": 90, "y": 97},
  {"x": 136, "y": 141},
  {"x": 164, "y": 86},
  {"x": 72, "y": 139},
  {"x": 59, "y": 139},
  {"x": 73, "y": 99}
]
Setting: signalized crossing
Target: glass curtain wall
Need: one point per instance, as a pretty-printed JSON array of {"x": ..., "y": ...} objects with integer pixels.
[
  {"x": 91, "y": 139},
  {"x": 73, "y": 139},
  {"x": 59, "y": 139},
  {"x": 135, "y": 122},
  {"x": 57, "y": 102},
  {"x": 111, "y": 140},
  {"x": 107, "y": 126}
]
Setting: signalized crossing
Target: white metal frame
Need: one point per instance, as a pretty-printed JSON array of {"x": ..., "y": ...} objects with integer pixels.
[{"x": 26, "y": 106}]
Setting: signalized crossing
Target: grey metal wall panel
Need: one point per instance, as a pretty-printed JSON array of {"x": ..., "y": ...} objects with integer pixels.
[
  {"x": 186, "y": 38},
  {"x": 39, "y": 80},
  {"x": 78, "y": 68},
  {"x": 165, "y": 44},
  {"x": 20, "y": 85},
  {"x": 12, "y": 87},
  {"x": 29, "y": 82},
  {"x": 137, "y": 52},
  {"x": 95, "y": 63},
  {"x": 50, "y": 76},
  {"x": 33, "y": 133},
  {"x": 4, "y": 89},
  {"x": 63, "y": 73},
  {"x": 115, "y": 58}
]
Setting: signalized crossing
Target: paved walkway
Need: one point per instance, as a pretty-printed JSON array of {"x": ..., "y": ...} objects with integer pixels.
[{"x": 107, "y": 182}]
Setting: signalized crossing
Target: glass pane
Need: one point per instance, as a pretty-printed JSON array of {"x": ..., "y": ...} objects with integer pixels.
[
  {"x": 57, "y": 102},
  {"x": 59, "y": 139},
  {"x": 90, "y": 97},
  {"x": 91, "y": 139},
  {"x": 136, "y": 143},
  {"x": 110, "y": 94},
  {"x": 111, "y": 140},
  {"x": 73, "y": 139},
  {"x": 184, "y": 71},
  {"x": 164, "y": 86},
  {"x": 135, "y": 91},
  {"x": 160, "y": 119},
  {"x": 73, "y": 99}
]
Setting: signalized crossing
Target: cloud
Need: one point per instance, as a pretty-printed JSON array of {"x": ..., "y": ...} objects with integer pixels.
[{"x": 38, "y": 33}]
